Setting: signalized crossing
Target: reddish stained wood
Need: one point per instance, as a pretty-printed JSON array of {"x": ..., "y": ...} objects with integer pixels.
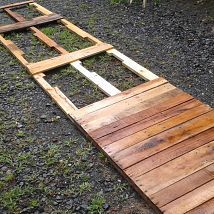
[
  {"x": 144, "y": 134},
  {"x": 164, "y": 140},
  {"x": 183, "y": 186},
  {"x": 177, "y": 169},
  {"x": 131, "y": 106},
  {"x": 146, "y": 118},
  {"x": 205, "y": 208},
  {"x": 170, "y": 153},
  {"x": 191, "y": 200}
]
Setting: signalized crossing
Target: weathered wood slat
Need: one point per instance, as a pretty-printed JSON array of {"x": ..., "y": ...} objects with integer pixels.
[
  {"x": 83, "y": 112},
  {"x": 205, "y": 208},
  {"x": 145, "y": 133},
  {"x": 143, "y": 119},
  {"x": 183, "y": 186},
  {"x": 191, "y": 200},
  {"x": 166, "y": 139},
  {"x": 127, "y": 107},
  {"x": 26, "y": 24},
  {"x": 176, "y": 169},
  {"x": 170, "y": 153},
  {"x": 16, "y": 4},
  {"x": 65, "y": 59}
]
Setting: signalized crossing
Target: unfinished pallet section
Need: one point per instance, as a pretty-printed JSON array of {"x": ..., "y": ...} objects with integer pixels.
[{"x": 158, "y": 137}]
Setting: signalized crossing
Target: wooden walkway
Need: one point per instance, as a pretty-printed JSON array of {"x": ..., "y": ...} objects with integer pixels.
[{"x": 158, "y": 137}]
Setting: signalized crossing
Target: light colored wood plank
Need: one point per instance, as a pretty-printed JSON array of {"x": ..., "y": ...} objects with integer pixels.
[
  {"x": 45, "y": 65},
  {"x": 81, "y": 113},
  {"x": 170, "y": 153},
  {"x": 18, "y": 53},
  {"x": 27, "y": 24},
  {"x": 191, "y": 200},
  {"x": 176, "y": 169},
  {"x": 16, "y": 4},
  {"x": 80, "y": 32},
  {"x": 133, "y": 66},
  {"x": 183, "y": 186},
  {"x": 163, "y": 140},
  {"x": 41, "y": 9},
  {"x": 126, "y": 107},
  {"x": 63, "y": 102},
  {"x": 205, "y": 208},
  {"x": 101, "y": 83},
  {"x": 155, "y": 129}
]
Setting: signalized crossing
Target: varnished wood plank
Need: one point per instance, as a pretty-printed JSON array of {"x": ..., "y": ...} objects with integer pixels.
[
  {"x": 205, "y": 208},
  {"x": 83, "y": 112},
  {"x": 127, "y": 107},
  {"x": 143, "y": 119},
  {"x": 16, "y": 4},
  {"x": 191, "y": 200},
  {"x": 166, "y": 139},
  {"x": 170, "y": 153},
  {"x": 155, "y": 129},
  {"x": 177, "y": 169},
  {"x": 183, "y": 186},
  {"x": 56, "y": 62},
  {"x": 25, "y": 24}
]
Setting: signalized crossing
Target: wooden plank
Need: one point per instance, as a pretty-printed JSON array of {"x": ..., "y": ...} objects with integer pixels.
[
  {"x": 136, "y": 122},
  {"x": 58, "y": 61},
  {"x": 170, "y": 153},
  {"x": 16, "y": 4},
  {"x": 18, "y": 53},
  {"x": 69, "y": 25},
  {"x": 80, "y": 32},
  {"x": 64, "y": 103},
  {"x": 205, "y": 208},
  {"x": 166, "y": 139},
  {"x": 191, "y": 200},
  {"x": 155, "y": 129},
  {"x": 177, "y": 169},
  {"x": 133, "y": 66},
  {"x": 15, "y": 15},
  {"x": 118, "y": 98},
  {"x": 183, "y": 186},
  {"x": 101, "y": 83},
  {"x": 126, "y": 107},
  {"x": 25, "y": 24}
]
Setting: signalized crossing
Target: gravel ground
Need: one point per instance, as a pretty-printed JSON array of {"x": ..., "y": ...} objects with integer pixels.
[{"x": 46, "y": 165}]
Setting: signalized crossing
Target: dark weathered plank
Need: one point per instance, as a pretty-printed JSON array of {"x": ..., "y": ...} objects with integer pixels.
[
  {"x": 155, "y": 129},
  {"x": 16, "y": 4},
  {"x": 164, "y": 140},
  {"x": 146, "y": 118},
  {"x": 183, "y": 186},
  {"x": 191, "y": 200},
  {"x": 25, "y": 24},
  {"x": 171, "y": 153}
]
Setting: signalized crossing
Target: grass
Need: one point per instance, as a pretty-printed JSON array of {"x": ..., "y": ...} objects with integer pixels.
[{"x": 96, "y": 205}]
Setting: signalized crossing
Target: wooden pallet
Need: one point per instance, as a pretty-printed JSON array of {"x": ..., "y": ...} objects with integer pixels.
[{"x": 158, "y": 137}]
